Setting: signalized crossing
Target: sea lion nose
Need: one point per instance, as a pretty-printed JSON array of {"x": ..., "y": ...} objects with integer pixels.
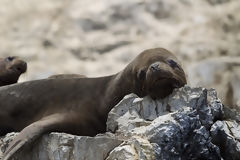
[
  {"x": 22, "y": 67},
  {"x": 154, "y": 66},
  {"x": 25, "y": 65}
]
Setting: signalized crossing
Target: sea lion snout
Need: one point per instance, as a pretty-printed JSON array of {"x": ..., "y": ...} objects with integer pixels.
[
  {"x": 20, "y": 66},
  {"x": 154, "y": 67},
  {"x": 160, "y": 68},
  {"x": 16, "y": 65}
]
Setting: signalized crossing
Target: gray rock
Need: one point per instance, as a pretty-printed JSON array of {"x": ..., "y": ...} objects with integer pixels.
[
  {"x": 61, "y": 146},
  {"x": 131, "y": 112},
  {"x": 135, "y": 148},
  {"x": 184, "y": 133},
  {"x": 226, "y": 134},
  {"x": 181, "y": 129},
  {"x": 4, "y": 141}
]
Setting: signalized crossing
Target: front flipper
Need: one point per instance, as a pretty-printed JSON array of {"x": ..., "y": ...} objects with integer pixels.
[{"x": 49, "y": 123}]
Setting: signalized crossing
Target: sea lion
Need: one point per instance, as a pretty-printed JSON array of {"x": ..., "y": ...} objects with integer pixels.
[
  {"x": 67, "y": 76},
  {"x": 80, "y": 105},
  {"x": 10, "y": 70}
]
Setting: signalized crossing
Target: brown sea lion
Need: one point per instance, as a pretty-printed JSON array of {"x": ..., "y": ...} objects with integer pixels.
[
  {"x": 10, "y": 70},
  {"x": 67, "y": 76},
  {"x": 80, "y": 105}
]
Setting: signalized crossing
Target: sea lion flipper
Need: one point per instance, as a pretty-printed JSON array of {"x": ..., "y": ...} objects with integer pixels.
[{"x": 33, "y": 131}]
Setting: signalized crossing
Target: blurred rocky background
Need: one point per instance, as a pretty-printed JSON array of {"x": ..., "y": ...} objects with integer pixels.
[{"x": 98, "y": 38}]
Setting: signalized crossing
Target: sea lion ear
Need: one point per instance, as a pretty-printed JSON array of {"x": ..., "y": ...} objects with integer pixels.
[{"x": 141, "y": 74}]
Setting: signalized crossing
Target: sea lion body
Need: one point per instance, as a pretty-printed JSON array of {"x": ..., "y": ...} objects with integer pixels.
[
  {"x": 67, "y": 76},
  {"x": 49, "y": 98},
  {"x": 10, "y": 70},
  {"x": 81, "y": 105}
]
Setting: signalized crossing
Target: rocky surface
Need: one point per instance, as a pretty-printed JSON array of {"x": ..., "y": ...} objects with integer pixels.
[
  {"x": 177, "y": 126},
  {"x": 191, "y": 123},
  {"x": 97, "y": 38},
  {"x": 226, "y": 135},
  {"x": 62, "y": 146}
]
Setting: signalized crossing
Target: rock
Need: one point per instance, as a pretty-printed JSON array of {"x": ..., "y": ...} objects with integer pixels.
[
  {"x": 226, "y": 135},
  {"x": 4, "y": 141},
  {"x": 56, "y": 146},
  {"x": 182, "y": 123},
  {"x": 134, "y": 149},
  {"x": 191, "y": 123},
  {"x": 125, "y": 115},
  {"x": 231, "y": 114},
  {"x": 133, "y": 112}
]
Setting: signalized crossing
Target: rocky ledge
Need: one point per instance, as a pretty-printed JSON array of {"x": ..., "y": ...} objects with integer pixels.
[{"x": 191, "y": 123}]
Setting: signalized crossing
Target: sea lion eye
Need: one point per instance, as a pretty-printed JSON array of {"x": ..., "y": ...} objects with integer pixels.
[
  {"x": 172, "y": 63},
  {"x": 9, "y": 58}
]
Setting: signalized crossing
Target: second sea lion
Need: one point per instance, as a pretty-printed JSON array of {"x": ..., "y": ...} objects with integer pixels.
[{"x": 10, "y": 70}]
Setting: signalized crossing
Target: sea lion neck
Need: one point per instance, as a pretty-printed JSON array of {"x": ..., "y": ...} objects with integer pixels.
[
  {"x": 119, "y": 85},
  {"x": 8, "y": 79}
]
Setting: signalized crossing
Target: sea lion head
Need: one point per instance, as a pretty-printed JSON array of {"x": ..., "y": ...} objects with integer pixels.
[
  {"x": 158, "y": 72},
  {"x": 10, "y": 69}
]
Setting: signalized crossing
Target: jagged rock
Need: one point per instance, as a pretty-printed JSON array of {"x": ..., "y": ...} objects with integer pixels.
[
  {"x": 191, "y": 123},
  {"x": 226, "y": 135},
  {"x": 181, "y": 129},
  {"x": 133, "y": 112}
]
